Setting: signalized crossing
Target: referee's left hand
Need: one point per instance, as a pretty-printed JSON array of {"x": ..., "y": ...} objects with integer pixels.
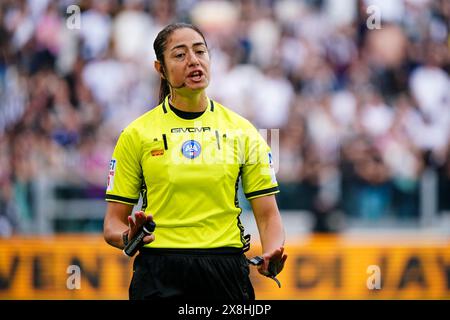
[{"x": 277, "y": 258}]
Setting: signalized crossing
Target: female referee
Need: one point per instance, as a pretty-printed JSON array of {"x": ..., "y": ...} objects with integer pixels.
[{"x": 185, "y": 157}]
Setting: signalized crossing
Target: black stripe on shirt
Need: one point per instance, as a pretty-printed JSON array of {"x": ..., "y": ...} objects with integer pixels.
[
  {"x": 261, "y": 192},
  {"x": 165, "y": 141},
  {"x": 218, "y": 139},
  {"x": 119, "y": 198},
  {"x": 164, "y": 106},
  {"x": 212, "y": 105},
  {"x": 144, "y": 195}
]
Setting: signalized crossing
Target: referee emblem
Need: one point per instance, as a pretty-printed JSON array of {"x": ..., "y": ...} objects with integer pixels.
[{"x": 191, "y": 149}]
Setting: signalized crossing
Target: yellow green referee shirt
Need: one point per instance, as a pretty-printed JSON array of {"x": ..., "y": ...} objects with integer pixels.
[{"x": 188, "y": 171}]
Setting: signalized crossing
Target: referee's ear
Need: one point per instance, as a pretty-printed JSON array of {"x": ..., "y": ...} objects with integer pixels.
[{"x": 159, "y": 68}]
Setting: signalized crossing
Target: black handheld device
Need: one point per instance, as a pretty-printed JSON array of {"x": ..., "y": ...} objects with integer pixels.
[
  {"x": 134, "y": 244},
  {"x": 258, "y": 260}
]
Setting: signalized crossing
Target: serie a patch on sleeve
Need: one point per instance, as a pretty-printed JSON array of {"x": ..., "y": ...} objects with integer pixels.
[
  {"x": 272, "y": 169},
  {"x": 112, "y": 171}
]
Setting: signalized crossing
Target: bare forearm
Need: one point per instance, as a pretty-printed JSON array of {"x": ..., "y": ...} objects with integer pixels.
[
  {"x": 113, "y": 233},
  {"x": 271, "y": 232},
  {"x": 268, "y": 220},
  {"x": 116, "y": 223}
]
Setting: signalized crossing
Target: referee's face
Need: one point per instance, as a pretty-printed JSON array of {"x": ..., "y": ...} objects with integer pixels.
[{"x": 187, "y": 60}]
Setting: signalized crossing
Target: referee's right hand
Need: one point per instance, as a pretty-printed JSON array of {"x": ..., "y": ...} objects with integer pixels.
[{"x": 140, "y": 218}]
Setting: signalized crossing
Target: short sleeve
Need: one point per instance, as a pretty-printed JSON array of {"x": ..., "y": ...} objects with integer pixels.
[
  {"x": 125, "y": 172},
  {"x": 258, "y": 174}
]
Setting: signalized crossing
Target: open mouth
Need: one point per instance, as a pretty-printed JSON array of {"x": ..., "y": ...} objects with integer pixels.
[{"x": 196, "y": 75}]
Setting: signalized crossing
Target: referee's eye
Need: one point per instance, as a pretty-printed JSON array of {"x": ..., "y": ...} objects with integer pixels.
[{"x": 180, "y": 55}]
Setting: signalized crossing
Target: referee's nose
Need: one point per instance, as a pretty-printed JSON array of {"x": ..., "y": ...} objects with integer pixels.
[{"x": 193, "y": 60}]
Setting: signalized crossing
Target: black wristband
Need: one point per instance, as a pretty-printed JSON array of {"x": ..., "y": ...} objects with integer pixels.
[{"x": 125, "y": 237}]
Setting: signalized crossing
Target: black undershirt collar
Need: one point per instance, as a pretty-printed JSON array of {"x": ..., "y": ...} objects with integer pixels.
[{"x": 185, "y": 114}]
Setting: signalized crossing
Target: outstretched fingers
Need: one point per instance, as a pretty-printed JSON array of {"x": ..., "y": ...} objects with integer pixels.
[{"x": 140, "y": 218}]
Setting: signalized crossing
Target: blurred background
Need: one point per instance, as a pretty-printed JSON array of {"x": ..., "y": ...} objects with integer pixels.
[{"x": 357, "y": 91}]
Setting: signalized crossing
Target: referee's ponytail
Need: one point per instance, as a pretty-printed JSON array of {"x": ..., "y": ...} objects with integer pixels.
[
  {"x": 164, "y": 90},
  {"x": 159, "y": 45}
]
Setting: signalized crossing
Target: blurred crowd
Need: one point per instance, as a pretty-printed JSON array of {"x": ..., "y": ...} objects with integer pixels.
[{"x": 359, "y": 90}]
